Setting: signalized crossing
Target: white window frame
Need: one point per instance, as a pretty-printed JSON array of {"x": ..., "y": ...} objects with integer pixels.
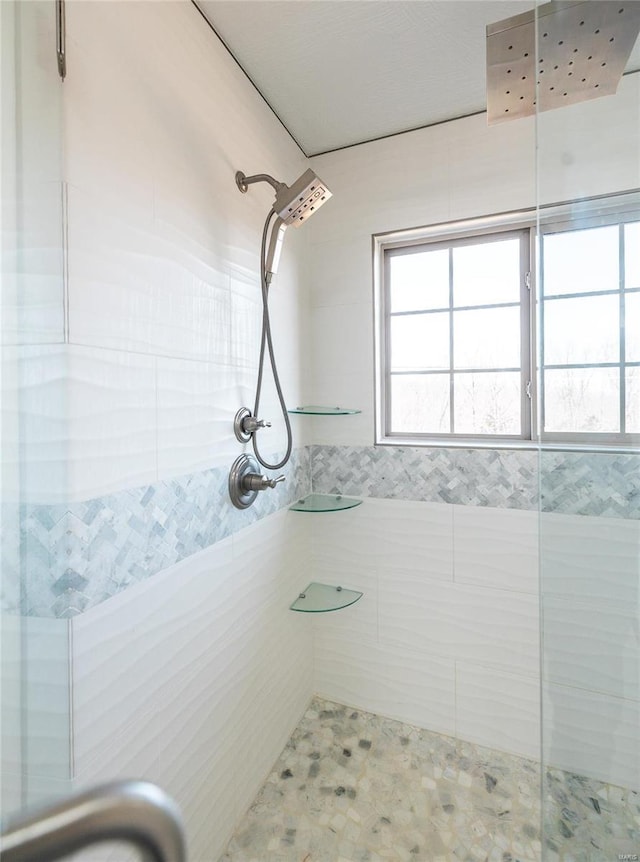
[{"x": 610, "y": 209}]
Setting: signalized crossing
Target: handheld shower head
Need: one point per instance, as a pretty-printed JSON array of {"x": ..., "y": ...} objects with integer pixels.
[
  {"x": 294, "y": 204},
  {"x": 276, "y": 240}
]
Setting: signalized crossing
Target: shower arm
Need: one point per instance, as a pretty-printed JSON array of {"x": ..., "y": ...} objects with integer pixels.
[{"x": 243, "y": 182}]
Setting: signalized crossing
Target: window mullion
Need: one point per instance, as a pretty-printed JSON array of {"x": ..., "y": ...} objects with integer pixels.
[
  {"x": 526, "y": 288},
  {"x": 387, "y": 392},
  {"x": 451, "y": 388},
  {"x": 623, "y": 348},
  {"x": 540, "y": 341}
]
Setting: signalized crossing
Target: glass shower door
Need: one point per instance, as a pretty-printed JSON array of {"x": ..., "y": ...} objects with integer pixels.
[
  {"x": 35, "y": 691},
  {"x": 588, "y": 157}
]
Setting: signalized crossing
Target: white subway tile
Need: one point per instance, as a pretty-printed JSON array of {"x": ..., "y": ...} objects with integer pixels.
[
  {"x": 192, "y": 308},
  {"x": 340, "y": 271},
  {"x": 481, "y": 183},
  {"x": 112, "y": 266},
  {"x": 111, "y": 421},
  {"x": 346, "y": 536},
  {"x": 33, "y": 283},
  {"x": 108, "y": 143},
  {"x": 35, "y": 664},
  {"x": 592, "y": 734},
  {"x": 40, "y": 790},
  {"x": 592, "y": 645},
  {"x": 245, "y": 322},
  {"x": 89, "y": 420},
  {"x": 495, "y": 627},
  {"x": 417, "y": 613},
  {"x": 342, "y": 339},
  {"x": 402, "y": 195},
  {"x": 590, "y": 558},
  {"x": 280, "y": 689},
  {"x": 389, "y": 535},
  {"x": 196, "y": 406},
  {"x": 413, "y": 536},
  {"x": 35, "y": 428},
  {"x": 568, "y": 150},
  {"x": 390, "y": 681},
  {"x": 498, "y": 627},
  {"x": 202, "y": 780},
  {"x": 359, "y": 619},
  {"x": 130, "y": 750},
  {"x": 498, "y": 709},
  {"x": 354, "y": 391},
  {"x": 118, "y": 646},
  {"x": 12, "y": 789},
  {"x": 107, "y": 851},
  {"x": 37, "y": 100},
  {"x": 496, "y": 548},
  {"x": 133, "y": 286}
]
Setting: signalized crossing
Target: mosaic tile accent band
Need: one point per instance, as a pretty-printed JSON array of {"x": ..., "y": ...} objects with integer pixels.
[
  {"x": 78, "y": 555},
  {"x": 589, "y": 483},
  {"x": 471, "y": 477}
]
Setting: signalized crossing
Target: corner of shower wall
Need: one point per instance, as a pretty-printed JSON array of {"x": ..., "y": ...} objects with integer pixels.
[{"x": 432, "y": 642}]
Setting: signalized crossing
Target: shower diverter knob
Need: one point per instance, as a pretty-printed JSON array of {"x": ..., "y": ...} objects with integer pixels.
[
  {"x": 251, "y": 424},
  {"x": 244, "y": 424}
]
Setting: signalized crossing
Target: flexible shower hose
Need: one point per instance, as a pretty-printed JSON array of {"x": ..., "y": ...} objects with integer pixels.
[{"x": 266, "y": 341}]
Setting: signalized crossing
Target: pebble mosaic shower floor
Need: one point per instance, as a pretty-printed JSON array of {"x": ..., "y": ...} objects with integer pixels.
[{"x": 354, "y": 787}]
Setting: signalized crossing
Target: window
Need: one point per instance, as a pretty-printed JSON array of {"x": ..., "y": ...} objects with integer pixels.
[
  {"x": 590, "y": 318},
  {"x": 456, "y": 330}
]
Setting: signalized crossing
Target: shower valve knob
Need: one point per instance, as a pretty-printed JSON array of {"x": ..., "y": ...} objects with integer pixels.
[
  {"x": 245, "y": 481},
  {"x": 256, "y": 482}
]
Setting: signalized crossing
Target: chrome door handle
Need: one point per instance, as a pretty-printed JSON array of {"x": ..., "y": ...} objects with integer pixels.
[{"x": 136, "y": 812}]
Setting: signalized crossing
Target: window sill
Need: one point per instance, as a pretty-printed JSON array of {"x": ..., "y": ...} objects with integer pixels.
[{"x": 506, "y": 443}]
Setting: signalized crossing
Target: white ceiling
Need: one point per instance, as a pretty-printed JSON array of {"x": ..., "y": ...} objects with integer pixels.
[{"x": 341, "y": 72}]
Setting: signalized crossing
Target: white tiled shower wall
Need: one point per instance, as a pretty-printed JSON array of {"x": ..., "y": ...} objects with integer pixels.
[
  {"x": 195, "y": 678},
  {"x": 446, "y": 634},
  {"x": 159, "y": 348},
  {"x": 200, "y": 674}
]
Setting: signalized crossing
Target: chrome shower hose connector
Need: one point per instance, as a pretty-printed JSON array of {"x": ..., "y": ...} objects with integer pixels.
[{"x": 245, "y": 424}]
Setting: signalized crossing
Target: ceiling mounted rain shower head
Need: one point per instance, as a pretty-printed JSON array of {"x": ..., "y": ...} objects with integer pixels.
[
  {"x": 294, "y": 204},
  {"x": 582, "y": 50}
]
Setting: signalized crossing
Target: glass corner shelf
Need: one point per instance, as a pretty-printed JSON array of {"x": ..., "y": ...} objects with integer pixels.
[
  {"x": 320, "y": 598},
  {"x": 315, "y": 410},
  {"x": 324, "y": 503}
]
